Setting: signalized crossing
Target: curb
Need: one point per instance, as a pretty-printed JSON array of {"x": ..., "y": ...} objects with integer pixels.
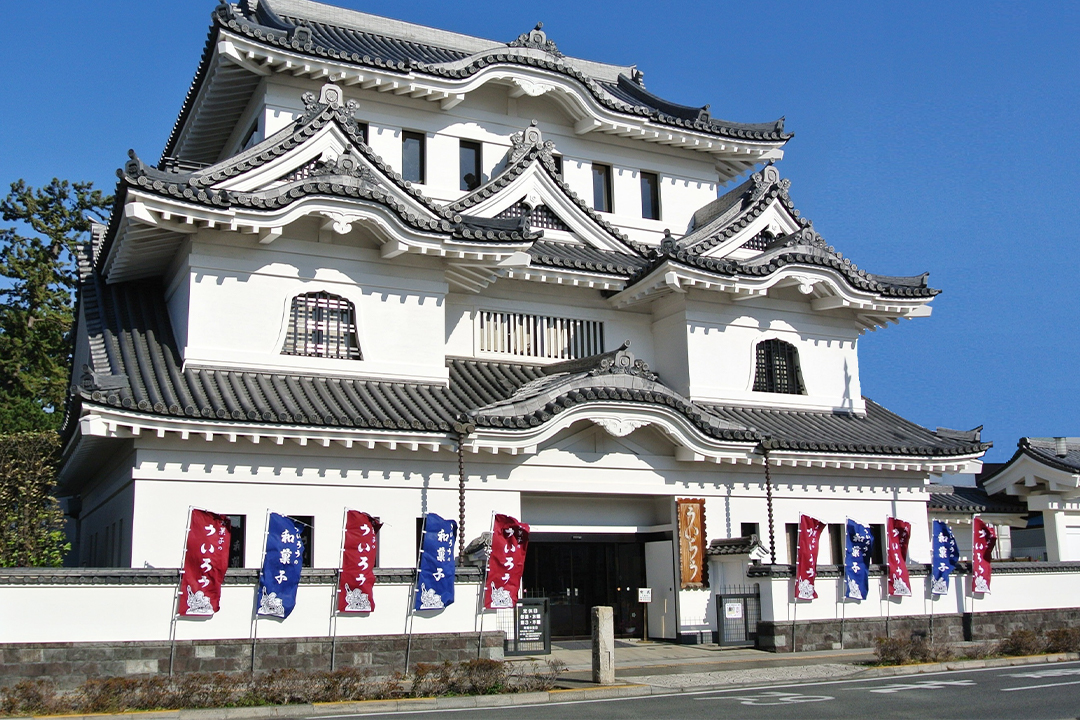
[
  {"x": 898, "y": 670},
  {"x": 607, "y": 692}
]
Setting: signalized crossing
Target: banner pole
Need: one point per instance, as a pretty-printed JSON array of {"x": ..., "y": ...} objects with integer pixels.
[
  {"x": 255, "y": 619},
  {"x": 176, "y": 595},
  {"x": 483, "y": 586},
  {"x": 794, "y": 615},
  {"x": 412, "y": 594},
  {"x": 337, "y": 589}
]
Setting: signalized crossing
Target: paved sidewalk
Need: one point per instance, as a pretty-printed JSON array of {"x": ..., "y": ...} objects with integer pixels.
[{"x": 658, "y": 663}]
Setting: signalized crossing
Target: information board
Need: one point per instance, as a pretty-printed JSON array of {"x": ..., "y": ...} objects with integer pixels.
[
  {"x": 644, "y": 595},
  {"x": 530, "y": 623}
]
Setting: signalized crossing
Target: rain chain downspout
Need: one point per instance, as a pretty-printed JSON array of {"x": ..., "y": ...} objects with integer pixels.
[{"x": 768, "y": 501}]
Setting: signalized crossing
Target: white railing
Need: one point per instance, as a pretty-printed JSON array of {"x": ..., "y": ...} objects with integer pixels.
[{"x": 540, "y": 336}]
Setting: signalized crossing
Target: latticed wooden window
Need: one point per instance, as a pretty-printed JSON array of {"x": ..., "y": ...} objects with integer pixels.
[
  {"x": 540, "y": 336},
  {"x": 778, "y": 368},
  {"x": 322, "y": 325}
]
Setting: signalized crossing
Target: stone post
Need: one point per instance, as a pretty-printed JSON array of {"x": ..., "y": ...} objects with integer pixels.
[{"x": 603, "y": 646}]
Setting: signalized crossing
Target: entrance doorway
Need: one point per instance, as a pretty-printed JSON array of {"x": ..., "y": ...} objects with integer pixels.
[{"x": 583, "y": 571}]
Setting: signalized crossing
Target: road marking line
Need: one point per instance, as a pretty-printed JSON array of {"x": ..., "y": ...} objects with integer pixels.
[{"x": 1035, "y": 687}]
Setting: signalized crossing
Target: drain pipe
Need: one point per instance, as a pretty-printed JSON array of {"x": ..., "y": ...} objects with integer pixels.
[{"x": 769, "y": 504}]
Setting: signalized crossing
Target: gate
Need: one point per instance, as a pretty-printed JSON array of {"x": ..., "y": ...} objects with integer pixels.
[{"x": 738, "y": 610}]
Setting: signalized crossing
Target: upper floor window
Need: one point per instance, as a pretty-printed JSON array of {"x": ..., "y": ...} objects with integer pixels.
[
  {"x": 540, "y": 336},
  {"x": 650, "y": 196},
  {"x": 601, "y": 187},
  {"x": 322, "y": 325},
  {"x": 777, "y": 368},
  {"x": 557, "y": 159},
  {"x": 470, "y": 154},
  {"x": 412, "y": 156},
  {"x": 363, "y": 128}
]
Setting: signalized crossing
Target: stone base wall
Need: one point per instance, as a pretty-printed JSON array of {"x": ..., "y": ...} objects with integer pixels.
[
  {"x": 860, "y": 633},
  {"x": 71, "y": 664}
]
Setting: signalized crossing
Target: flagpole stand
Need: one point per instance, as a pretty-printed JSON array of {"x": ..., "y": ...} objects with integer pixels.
[{"x": 412, "y": 595}]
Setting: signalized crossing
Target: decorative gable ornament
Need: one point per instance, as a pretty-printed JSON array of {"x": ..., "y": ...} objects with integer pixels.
[{"x": 536, "y": 39}]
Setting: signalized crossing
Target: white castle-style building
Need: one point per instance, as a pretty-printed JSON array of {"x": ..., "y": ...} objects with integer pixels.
[{"x": 373, "y": 253}]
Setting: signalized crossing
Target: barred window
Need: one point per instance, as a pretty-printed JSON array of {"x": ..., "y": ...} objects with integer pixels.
[
  {"x": 322, "y": 325},
  {"x": 778, "y": 368},
  {"x": 540, "y": 336}
]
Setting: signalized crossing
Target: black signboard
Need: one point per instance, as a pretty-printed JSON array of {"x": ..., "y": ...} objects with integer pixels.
[{"x": 532, "y": 631}]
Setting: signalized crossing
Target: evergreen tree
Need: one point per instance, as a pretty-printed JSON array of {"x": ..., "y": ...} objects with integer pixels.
[
  {"x": 31, "y": 522},
  {"x": 37, "y": 282}
]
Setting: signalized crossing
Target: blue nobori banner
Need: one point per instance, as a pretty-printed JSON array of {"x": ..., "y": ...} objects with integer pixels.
[
  {"x": 281, "y": 567},
  {"x": 435, "y": 576},
  {"x": 860, "y": 543}
]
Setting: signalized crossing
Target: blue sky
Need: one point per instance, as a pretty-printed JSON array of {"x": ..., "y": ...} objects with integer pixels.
[{"x": 929, "y": 137}]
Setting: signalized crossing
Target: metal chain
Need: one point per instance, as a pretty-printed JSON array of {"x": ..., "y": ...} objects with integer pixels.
[
  {"x": 461, "y": 494},
  {"x": 768, "y": 500}
]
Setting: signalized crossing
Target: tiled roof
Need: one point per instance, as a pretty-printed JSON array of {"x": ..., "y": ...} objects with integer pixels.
[
  {"x": 734, "y": 546},
  {"x": 955, "y": 498},
  {"x": 135, "y": 364},
  {"x": 354, "y": 45},
  {"x": 729, "y": 214},
  {"x": 1045, "y": 451},
  {"x": 878, "y": 432},
  {"x": 578, "y": 256}
]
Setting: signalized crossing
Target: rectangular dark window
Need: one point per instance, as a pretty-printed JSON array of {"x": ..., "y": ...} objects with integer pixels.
[
  {"x": 363, "y": 128},
  {"x": 470, "y": 154},
  {"x": 877, "y": 554},
  {"x": 748, "y": 529},
  {"x": 601, "y": 187},
  {"x": 237, "y": 540},
  {"x": 558, "y": 164},
  {"x": 838, "y": 542},
  {"x": 307, "y": 532},
  {"x": 650, "y": 196},
  {"x": 412, "y": 156},
  {"x": 792, "y": 532}
]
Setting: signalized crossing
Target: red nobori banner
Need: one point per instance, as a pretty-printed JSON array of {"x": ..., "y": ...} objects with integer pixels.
[
  {"x": 899, "y": 534},
  {"x": 205, "y": 563},
  {"x": 509, "y": 541},
  {"x": 806, "y": 557},
  {"x": 357, "y": 578},
  {"x": 983, "y": 540}
]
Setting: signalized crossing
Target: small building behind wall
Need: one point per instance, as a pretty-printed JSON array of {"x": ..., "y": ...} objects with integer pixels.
[{"x": 1045, "y": 474}]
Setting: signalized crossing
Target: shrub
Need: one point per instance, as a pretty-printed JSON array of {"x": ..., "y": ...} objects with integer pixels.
[
  {"x": 1063, "y": 640},
  {"x": 1021, "y": 642},
  {"x": 30, "y": 697},
  {"x": 898, "y": 651},
  {"x": 280, "y": 687}
]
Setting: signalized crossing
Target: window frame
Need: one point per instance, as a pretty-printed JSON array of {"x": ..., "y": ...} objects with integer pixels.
[
  {"x": 478, "y": 164},
  {"x": 304, "y": 340},
  {"x": 407, "y": 135},
  {"x": 654, "y": 195},
  {"x": 237, "y": 540},
  {"x": 601, "y": 179},
  {"x": 779, "y": 375}
]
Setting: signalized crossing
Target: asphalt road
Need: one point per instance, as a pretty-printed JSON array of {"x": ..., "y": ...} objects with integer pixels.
[{"x": 1032, "y": 691}]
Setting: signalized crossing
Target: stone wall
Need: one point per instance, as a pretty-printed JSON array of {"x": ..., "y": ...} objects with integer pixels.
[
  {"x": 860, "y": 633},
  {"x": 70, "y": 664}
]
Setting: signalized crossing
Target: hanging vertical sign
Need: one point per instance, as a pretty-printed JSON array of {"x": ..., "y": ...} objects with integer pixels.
[
  {"x": 281, "y": 567},
  {"x": 859, "y": 546},
  {"x": 357, "y": 578},
  {"x": 898, "y": 535},
  {"x": 205, "y": 563},
  {"x": 983, "y": 540},
  {"x": 509, "y": 541},
  {"x": 946, "y": 554},
  {"x": 806, "y": 557},
  {"x": 435, "y": 576},
  {"x": 691, "y": 514}
]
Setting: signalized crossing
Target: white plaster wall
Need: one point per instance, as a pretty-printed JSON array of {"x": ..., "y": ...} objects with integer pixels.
[
  {"x": 1013, "y": 591},
  {"x": 108, "y": 509},
  {"x": 462, "y": 317},
  {"x": 48, "y": 613},
  {"x": 721, "y": 340},
  {"x": 240, "y": 299}
]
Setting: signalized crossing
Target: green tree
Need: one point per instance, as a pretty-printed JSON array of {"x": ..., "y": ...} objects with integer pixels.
[
  {"x": 37, "y": 283},
  {"x": 31, "y": 522}
]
